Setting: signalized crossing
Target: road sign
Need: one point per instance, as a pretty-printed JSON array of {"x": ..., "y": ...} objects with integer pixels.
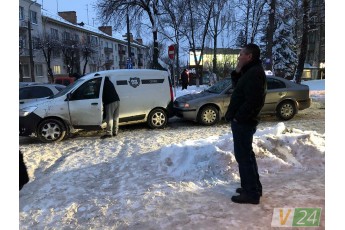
[
  {"x": 171, "y": 51},
  {"x": 129, "y": 63}
]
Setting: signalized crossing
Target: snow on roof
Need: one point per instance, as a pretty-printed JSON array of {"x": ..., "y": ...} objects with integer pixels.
[{"x": 86, "y": 27}]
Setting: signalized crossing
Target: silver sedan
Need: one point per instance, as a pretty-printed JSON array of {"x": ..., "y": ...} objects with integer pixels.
[{"x": 284, "y": 99}]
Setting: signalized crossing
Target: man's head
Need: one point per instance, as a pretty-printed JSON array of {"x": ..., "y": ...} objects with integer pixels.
[{"x": 248, "y": 53}]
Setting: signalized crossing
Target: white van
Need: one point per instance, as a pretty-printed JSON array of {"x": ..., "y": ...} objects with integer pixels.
[{"x": 145, "y": 96}]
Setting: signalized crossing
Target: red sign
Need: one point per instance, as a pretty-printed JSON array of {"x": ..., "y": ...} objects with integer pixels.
[{"x": 171, "y": 51}]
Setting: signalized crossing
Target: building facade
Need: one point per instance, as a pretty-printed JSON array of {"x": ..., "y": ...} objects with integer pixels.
[{"x": 65, "y": 47}]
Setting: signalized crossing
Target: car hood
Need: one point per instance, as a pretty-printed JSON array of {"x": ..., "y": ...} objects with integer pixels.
[
  {"x": 34, "y": 103},
  {"x": 190, "y": 97}
]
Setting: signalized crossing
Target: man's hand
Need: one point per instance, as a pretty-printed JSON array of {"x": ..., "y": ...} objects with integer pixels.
[{"x": 239, "y": 66}]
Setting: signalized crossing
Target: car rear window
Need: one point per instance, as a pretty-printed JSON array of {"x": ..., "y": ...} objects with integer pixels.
[{"x": 275, "y": 84}]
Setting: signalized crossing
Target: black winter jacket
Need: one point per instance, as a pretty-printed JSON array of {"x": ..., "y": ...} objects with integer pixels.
[
  {"x": 249, "y": 94},
  {"x": 109, "y": 93}
]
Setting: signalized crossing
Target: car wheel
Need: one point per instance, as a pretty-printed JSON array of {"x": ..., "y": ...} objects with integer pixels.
[
  {"x": 157, "y": 119},
  {"x": 51, "y": 130},
  {"x": 209, "y": 115},
  {"x": 286, "y": 110}
]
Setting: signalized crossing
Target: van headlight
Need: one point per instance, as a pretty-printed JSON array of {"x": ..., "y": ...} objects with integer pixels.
[{"x": 26, "y": 111}]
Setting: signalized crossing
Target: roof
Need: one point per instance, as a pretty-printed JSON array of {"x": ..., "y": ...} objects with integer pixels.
[{"x": 87, "y": 28}]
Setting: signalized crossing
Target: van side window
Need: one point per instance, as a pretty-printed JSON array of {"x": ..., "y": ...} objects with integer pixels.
[{"x": 88, "y": 90}]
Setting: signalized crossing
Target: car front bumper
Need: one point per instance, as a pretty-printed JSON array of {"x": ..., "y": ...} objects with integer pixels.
[
  {"x": 28, "y": 124},
  {"x": 188, "y": 114}
]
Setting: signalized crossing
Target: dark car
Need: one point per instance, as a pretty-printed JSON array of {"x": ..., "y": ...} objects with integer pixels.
[
  {"x": 284, "y": 98},
  {"x": 35, "y": 92}
]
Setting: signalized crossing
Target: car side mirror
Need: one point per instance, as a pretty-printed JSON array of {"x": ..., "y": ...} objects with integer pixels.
[{"x": 69, "y": 96}]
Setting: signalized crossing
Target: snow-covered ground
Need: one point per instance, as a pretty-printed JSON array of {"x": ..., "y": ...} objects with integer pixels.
[{"x": 181, "y": 177}]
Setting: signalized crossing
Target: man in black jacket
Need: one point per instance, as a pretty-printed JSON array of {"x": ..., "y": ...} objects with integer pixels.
[
  {"x": 247, "y": 100},
  {"x": 111, "y": 103}
]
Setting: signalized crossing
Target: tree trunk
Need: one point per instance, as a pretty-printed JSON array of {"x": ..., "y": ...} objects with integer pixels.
[{"x": 304, "y": 44}]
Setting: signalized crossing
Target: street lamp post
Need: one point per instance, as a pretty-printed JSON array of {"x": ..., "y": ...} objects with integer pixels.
[{"x": 32, "y": 65}]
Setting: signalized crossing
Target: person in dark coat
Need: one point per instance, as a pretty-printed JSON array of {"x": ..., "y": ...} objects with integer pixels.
[
  {"x": 111, "y": 103},
  {"x": 23, "y": 173},
  {"x": 185, "y": 78},
  {"x": 247, "y": 100}
]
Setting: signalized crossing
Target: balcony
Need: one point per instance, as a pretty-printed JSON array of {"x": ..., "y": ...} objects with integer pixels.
[
  {"x": 24, "y": 52},
  {"x": 109, "y": 61},
  {"x": 108, "y": 50},
  {"x": 23, "y": 26}
]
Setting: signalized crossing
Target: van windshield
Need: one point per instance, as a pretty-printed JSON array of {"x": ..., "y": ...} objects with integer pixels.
[{"x": 67, "y": 89}]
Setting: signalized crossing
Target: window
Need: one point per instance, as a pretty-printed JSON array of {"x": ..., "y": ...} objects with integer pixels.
[
  {"x": 21, "y": 13},
  {"x": 57, "y": 69},
  {"x": 92, "y": 68},
  {"x": 55, "y": 53},
  {"x": 275, "y": 84},
  {"x": 93, "y": 40},
  {"x": 66, "y": 36},
  {"x": 54, "y": 34},
  {"x": 33, "y": 17},
  {"x": 36, "y": 43},
  {"x": 39, "y": 70},
  {"x": 35, "y": 92},
  {"x": 25, "y": 70},
  {"x": 88, "y": 90},
  {"x": 76, "y": 37}
]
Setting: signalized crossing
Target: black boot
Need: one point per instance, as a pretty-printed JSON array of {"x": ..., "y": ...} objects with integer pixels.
[
  {"x": 245, "y": 198},
  {"x": 240, "y": 190}
]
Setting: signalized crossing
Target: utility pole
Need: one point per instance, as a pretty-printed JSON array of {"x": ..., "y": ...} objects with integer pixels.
[
  {"x": 129, "y": 60},
  {"x": 32, "y": 64}
]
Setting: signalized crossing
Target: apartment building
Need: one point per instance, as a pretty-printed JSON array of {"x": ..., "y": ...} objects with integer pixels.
[{"x": 75, "y": 48}]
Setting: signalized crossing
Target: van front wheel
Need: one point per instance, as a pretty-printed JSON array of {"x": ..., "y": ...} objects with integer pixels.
[
  {"x": 51, "y": 130},
  {"x": 157, "y": 119}
]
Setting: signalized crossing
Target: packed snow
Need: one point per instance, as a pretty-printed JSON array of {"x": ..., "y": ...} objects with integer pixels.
[{"x": 181, "y": 177}]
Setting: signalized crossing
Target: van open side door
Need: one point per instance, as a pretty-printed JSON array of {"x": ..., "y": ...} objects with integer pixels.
[{"x": 85, "y": 105}]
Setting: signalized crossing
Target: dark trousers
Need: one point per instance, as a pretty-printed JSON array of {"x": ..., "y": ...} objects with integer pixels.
[
  {"x": 245, "y": 157},
  {"x": 184, "y": 85}
]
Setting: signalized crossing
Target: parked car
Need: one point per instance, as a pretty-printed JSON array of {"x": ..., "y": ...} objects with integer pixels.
[
  {"x": 36, "y": 92},
  {"x": 145, "y": 96},
  {"x": 284, "y": 98}
]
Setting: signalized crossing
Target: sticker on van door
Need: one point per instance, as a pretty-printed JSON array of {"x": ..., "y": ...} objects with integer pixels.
[{"x": 134, "y": 82}]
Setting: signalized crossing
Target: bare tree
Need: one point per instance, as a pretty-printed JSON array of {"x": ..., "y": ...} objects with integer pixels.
[
  {"x": 170, "y": 22},
  {"x": 139, "y": 10},
  {"x": 70, "y": 51},
  {"x": 48, "y": 46},
  {"x": 219, "y": 21},
  {"x": 197, "y": 24}
]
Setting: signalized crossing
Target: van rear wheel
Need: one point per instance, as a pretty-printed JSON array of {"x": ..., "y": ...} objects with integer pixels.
[
  {"x": 51, "y": 130},
  {"x": 157, "y": 119}
]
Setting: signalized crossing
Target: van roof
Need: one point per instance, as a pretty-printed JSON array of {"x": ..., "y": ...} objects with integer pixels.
[{"x": 152, "y": 72}]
